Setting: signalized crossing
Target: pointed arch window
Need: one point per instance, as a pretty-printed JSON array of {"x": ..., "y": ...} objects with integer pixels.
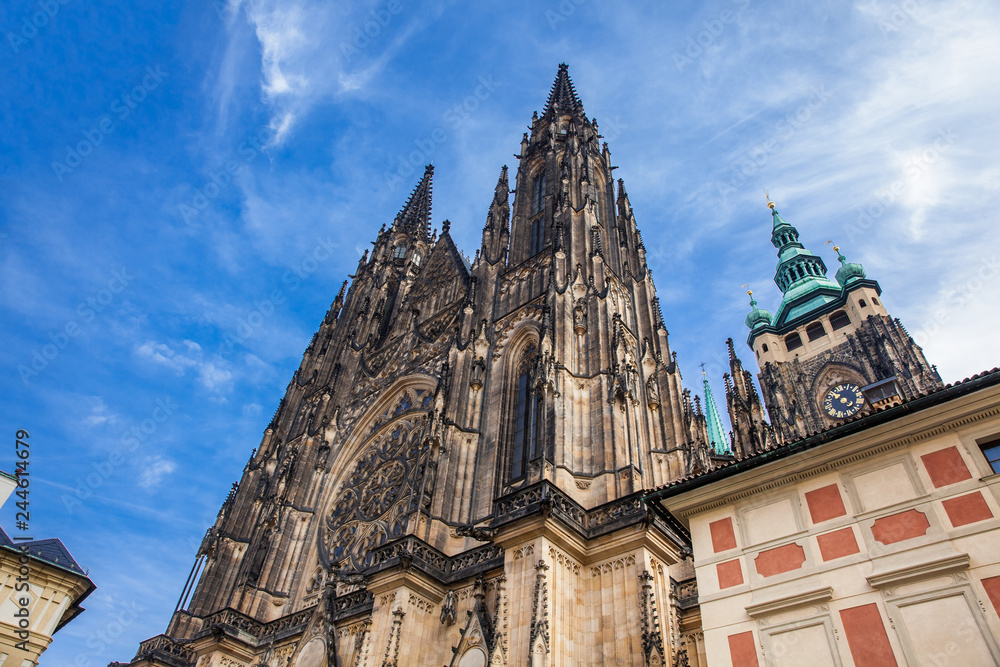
[
  {"x": 536, "y": 237},
  {"x": 399, "y": 252},
  {"x": 538, "y": 194},
  {"x": 526, "y": 418}
]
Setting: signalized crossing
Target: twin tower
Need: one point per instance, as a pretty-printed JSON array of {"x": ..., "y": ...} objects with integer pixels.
[{"x": 455, "y": 474}]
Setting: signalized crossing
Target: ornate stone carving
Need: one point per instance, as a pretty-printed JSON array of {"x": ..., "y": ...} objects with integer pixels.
[{"x": 374, "y": 503}]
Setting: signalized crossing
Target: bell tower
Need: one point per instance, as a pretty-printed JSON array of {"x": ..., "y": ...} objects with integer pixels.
[{"x": 831, "y": 350}]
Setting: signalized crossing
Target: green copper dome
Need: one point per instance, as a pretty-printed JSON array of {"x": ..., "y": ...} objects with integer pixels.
[
  {"x": 848, "y": 272},
  {"x": 756, "y": 317}
]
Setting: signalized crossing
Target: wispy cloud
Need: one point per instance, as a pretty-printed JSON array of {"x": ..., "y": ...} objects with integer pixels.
[
  {"x": 154, "y": 470},
  {"x": 213, "y": 374}
]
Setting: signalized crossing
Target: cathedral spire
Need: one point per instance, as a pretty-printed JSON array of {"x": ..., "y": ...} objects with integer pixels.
[
  {"x": 716, "y": 433},
  {"x": 496, "y": 232},
  {"x": 563, "y": 97},
  {"x": 799, "y": 270},
  {"x": 415, "y": 217}
]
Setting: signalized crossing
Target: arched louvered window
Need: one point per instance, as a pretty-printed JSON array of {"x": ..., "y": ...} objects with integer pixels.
[
  {"x": 815, "y": 330},
  {"x": 527, "y": 404},
  {"x": 839, "y": 320}
]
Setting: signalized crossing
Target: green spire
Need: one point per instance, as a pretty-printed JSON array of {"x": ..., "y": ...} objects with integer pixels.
[
  {"x": 716, "y": 434},
  {"x": 800, "y": 275},
  {"x": 756, "y": 317},
  {"x": 847, "y": 272}
]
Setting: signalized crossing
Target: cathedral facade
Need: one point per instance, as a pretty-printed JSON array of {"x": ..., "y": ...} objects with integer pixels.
[
  {"x": 455, "y": 474},
  {"x": 476, "y": 463}
]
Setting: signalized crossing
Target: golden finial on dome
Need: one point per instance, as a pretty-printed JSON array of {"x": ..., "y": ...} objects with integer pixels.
[{"x": 770, "y": 204}]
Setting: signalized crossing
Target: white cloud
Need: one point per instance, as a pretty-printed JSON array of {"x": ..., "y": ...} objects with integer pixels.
[
  {"x": 100, "y": 414},
  {"x": 154, "y": 469},
  {"x": 213, "y": 374}
]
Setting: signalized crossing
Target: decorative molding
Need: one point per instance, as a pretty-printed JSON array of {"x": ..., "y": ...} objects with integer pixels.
[
  {"x": 612, "y": 565},
  {"x": 524, "y": 552},
  {"x": 938, "y": 567},
  {"x": 564, "y": 560},
  {"x": 813, "y": 597},
  {"x": 421, "y": 604}
]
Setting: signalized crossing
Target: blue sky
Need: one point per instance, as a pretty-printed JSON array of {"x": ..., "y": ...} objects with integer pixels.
[{"x": 183, "y": 188}]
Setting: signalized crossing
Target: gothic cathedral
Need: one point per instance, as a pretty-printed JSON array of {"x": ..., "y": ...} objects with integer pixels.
[{"x": 455, "y": 474}]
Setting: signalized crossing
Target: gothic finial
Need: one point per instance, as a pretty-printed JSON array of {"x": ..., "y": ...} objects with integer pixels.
[
  {"x": 415, "y": 215},
  {"x": 563, "y": 95}
]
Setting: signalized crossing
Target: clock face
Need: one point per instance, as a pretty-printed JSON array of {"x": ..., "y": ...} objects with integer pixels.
[{"x": 844, "y": 400}]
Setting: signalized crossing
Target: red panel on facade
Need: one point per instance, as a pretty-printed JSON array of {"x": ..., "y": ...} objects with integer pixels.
[
  {"x": 866, "y": 636},
  {"x": 967, "y": 509},
  {"x": 825, "y": 504},
  {"x": 992, "y": 586},
  {"x": 743, "y": 650},
  {"x": 945, "y": 467},
  {"x": 729, "y": 573},
  {"x": 723, "y": 537},
  {"x": 782, "y": 559},
  {"x": 898, "y": 527},
  {"x": 838, "y": 544}
]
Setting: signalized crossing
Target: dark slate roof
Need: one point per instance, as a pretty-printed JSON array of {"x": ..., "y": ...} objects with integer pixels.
[
  {"x": 50, "y": 550},
  {"x": 53, "y": 551},
  {"x": 853, "y": 425}
]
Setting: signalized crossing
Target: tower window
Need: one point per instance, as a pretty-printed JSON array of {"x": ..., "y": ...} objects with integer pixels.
[
  {"x": 527, "y": 407},
  {"x": 399, "y": 252},
  {"x": 417, "y": 258},
  {"x": 765, "y": 347},
  {"x": 991, "y": 450},
  {"x": 815, "y": 330},
  {"x": 839, "y": 320},
  {"x": 874, "y": 301},
  {"x": 538, "y": 194},
  {"x": 793, "y": 342},
  {"x": 861, "y": 302},
  {"x": 536, "y": 237}
]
